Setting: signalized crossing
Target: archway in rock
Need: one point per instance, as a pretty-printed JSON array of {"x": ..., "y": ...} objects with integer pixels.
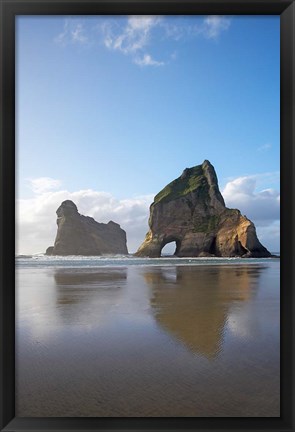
[{"x": 170, "y": 247}]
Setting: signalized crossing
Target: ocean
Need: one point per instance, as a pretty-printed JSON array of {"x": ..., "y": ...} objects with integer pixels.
[{"x": 170, "y": 337}]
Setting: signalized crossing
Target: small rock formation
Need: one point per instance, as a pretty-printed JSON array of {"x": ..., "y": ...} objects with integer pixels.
[
  {"x": 82, "y": 235},
  {"x": 191, "y": 211}
]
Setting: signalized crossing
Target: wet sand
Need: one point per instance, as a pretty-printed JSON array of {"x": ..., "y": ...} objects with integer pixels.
[{"x": 148, "y": 341}]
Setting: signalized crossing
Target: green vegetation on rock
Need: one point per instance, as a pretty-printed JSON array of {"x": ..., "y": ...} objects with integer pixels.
[
  {"x": 189, "y": 181},
  {"x": 206, "y": 224}
]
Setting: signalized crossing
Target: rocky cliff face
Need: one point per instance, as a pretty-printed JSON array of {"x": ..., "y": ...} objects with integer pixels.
[
  {"x": 191, "y": 211},
  {"x": 82, "y": 235}
]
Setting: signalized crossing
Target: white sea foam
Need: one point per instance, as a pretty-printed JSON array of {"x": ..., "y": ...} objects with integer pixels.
[{"x": 74, "y": 261}]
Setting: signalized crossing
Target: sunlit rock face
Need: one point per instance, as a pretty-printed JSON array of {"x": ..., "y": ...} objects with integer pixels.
[
  {"x": 82, "y": 235},
  {"x": 191, "y": 212}
]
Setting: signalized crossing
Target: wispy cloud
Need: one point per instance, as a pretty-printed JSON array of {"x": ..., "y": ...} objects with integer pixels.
[
  {"x": 214, "y": 25},
  {"x": 73, "y": 32},
  {"x": 147, "y": 60},
  {"x": 135, "y": 36},
  {"x": 264, "y": 147},
  {"x": 210, "y": 27},
  {"x": 43, "y": 184}
]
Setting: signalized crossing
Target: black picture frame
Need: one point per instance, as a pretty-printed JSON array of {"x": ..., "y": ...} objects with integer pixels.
[{"x": 9, "y": 10}]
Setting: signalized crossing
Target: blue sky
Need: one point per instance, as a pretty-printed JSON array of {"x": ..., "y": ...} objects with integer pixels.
[{"x": 111, "y": 109}]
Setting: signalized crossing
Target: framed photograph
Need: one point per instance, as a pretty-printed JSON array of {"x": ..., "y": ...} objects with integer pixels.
[{"x": 146, "y": 164}]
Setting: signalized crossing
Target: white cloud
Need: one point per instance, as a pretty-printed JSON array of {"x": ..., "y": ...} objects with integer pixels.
[
  {"x": 44, "y": 184},
  {"x": 147, "y": 60},
  {"x": 210, "y": 28},
  {"x": 136, "y": 36},
  {"x": 78, "y": 34},
  {"x": 214, "y": 25},
  {"x": 260, "y": 206},
  {"x": 36, "y": 217},
  {"x": 73, "y": 32},
  {"x": 133, "y": 37}
]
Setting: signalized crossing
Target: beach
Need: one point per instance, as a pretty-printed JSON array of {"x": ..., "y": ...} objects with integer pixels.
[{"x": 133, "y": 337}]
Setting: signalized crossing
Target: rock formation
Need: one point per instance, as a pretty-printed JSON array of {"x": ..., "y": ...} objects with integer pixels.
[
  {"x": 191, "y": 211},
  {"x": 82, "y": 235}
]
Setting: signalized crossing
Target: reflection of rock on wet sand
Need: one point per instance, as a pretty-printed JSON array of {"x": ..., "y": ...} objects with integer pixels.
[
  {"x": 103, "y": 277},
  {"x": 86, "y": 296},
  {"x": 193, "y": 303}
]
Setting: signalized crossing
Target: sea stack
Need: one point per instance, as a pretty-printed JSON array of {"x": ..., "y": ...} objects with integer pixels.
[
  {"x": 191, "y": 211},
  {"x": 82, "y": 235}
]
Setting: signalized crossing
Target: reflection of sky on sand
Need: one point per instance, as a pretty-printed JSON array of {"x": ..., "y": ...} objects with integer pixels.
[
  {"x": 197, "y": 306},
  {"x": 258, "y": 318},
  {"x": 77, "y": 298},
  {"x": 194, "y": 305},
  {"x": 80, "y": 299},
  {"x": 88, "y": 297},
  {"x": 141, "y": 341}
]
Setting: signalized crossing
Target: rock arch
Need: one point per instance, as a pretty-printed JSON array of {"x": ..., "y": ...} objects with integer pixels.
[
  {"x": 191, "y": 211},
  {"x": 168, "y": 240}
]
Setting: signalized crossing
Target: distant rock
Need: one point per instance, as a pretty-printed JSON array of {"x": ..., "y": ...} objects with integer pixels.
[
  {"x": 82, "y": 235},
  {"x": 49, "y": 250},
  {"x": 191, "y": 211}
]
